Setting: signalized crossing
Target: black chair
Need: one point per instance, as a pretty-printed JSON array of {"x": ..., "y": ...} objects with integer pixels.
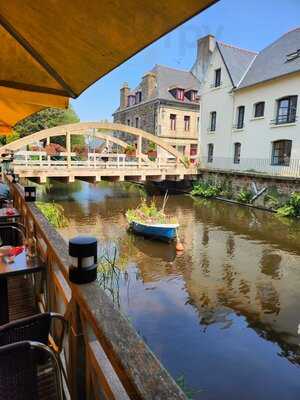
[
  {"x": 12, "y": 234},
  {"x": 36, "y": 328},
  {"x": 29, "y": 371}
]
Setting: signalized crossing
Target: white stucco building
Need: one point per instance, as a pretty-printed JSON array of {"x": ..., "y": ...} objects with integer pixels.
[{"x": 249, "y": 105}]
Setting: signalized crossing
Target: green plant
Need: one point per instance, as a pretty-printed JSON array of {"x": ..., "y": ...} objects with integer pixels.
[
  {"x": 244, "y": 196},
  {"x": 205, "y": 189},
  {"x": 151, "y": 146},
  {"x": 292, "y": 207},
  {"x": 186, "y": 161},
  {"x": 54, "y": 213},
  {"x": 271, "y": 201},
  {"x": 145, "y": 213}
]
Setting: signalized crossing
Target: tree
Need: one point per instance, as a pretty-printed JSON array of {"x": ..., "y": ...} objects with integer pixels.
[
  {"x": 49, "y": 118},
  {"x": 13, "y": 136}
]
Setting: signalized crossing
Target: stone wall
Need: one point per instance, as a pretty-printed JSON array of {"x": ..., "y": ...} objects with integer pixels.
[
  {"x": 147, "y": 117},
  {"x": 284, "y": 185}
]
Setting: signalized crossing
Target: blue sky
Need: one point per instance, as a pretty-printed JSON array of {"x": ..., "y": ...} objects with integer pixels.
[{"x": 251, "y": 24}]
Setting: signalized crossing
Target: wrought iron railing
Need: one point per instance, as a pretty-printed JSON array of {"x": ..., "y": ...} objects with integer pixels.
[
  {"x": 284, "y": 119},
  {"x": 269, "y": 166}
]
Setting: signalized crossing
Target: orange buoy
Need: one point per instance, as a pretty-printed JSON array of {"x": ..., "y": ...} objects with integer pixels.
[{"x": 179, "y": 246}]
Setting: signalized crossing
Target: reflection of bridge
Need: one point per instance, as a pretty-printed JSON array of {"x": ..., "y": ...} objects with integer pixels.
[{"x": 115, "y": 164}]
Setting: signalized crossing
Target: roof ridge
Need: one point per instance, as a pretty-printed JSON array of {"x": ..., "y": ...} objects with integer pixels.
[
  {"x": 236, "y": 47},
  {"x": 174, "y": 69}
]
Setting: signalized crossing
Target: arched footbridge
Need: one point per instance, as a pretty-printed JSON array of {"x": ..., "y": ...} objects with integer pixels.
[{"x": 109, "y": 161}]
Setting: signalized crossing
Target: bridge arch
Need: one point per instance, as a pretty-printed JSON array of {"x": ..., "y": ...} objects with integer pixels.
[{"x": 82, "y": 128}]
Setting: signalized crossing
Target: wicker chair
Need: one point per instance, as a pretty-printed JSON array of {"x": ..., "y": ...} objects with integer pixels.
[
  {"x": 12, "y": 234},
  {"x": 29, "y": 371},
  {"x": 36, "y": 328}
]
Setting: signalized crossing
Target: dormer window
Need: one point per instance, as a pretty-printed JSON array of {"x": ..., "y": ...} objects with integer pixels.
[
  {"x": 180, "y": 94},
  {"x": 191, "y": 94},
  {"x": 293, "y": 56},
  {"x": 131, "y": 100},
  {"x": 138, "y": 97}
]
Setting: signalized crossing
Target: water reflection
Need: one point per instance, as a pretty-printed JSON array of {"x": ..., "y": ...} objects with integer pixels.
[{"x": 225, "y": 313}]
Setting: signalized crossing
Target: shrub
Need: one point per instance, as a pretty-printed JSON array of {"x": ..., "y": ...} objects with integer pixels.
[
  {"x": 54, "y": 213},
  {"x": 292, "y": 206},
  {"x": 244, "y": 196},
  {"x": 205, "y": 189}
]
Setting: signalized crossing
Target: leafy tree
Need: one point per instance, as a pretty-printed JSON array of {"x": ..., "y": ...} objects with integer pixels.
[
  {"x": 49, "y": 118},
  {"x": 13, "y": 136}
]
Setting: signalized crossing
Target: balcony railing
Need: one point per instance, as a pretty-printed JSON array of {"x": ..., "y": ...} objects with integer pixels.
[
  {"x": 284, "y": 119},
  {"x": 103, "y": 355},
  {"x": 269, "y": 166}
]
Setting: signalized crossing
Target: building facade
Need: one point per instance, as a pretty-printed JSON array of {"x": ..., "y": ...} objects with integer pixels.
[
  {"x": 249, "y": 105},
  {"x": 166, "y": 104}
]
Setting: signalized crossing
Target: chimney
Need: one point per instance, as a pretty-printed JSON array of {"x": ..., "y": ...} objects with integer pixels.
[
  {"x": 148, "y": 85},
  {"x": 205, "y": 49},
  {"x": 124, "y": 92}
]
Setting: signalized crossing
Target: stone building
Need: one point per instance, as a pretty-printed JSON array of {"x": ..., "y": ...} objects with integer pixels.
[{"x": 165, "y": 103}]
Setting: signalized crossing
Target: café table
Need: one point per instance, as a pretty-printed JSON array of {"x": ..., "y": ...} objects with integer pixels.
[
  {"x": 20, "y": 265},
  {"x": 6, "y": 218}
]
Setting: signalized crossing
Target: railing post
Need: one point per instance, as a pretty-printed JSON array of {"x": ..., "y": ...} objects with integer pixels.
[
  {"x": 77, "y": 354},
  {"x": 68, "y": 147}
]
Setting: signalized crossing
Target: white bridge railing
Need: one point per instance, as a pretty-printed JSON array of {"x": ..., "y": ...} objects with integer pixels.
[{"x": 40, "y": 159}]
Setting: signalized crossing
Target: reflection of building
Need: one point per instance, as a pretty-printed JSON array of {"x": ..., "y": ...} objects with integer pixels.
[
  {"x": 249, "y": 104},
  {"x": 166, "y": 104}
]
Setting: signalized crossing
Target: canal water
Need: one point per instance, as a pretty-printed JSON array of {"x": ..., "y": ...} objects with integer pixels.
[{"x": 224, "y": 316}]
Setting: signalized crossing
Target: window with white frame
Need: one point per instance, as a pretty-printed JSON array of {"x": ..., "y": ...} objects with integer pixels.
[
  {"x": 210, "y": 152},
  {"x": 213, "y": 121},
  {"x": 281, "y": 152},
  {"x": 237, "y": 153},
  {"x": 259, "y": 109}
]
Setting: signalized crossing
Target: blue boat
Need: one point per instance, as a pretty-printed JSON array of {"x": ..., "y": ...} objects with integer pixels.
[{"x": 165, "y": 232}]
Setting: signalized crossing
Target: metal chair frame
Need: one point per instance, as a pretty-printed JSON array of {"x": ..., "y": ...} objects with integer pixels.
[{"x": 16, "y": 350}]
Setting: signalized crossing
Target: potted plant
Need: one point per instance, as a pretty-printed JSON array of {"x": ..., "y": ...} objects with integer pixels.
[
  {"x": 130, "y": 150},
  {"x": 152, "y": 153}
]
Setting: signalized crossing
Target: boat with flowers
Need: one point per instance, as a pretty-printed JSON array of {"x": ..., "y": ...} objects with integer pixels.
[{"x": 149, "y": 221}]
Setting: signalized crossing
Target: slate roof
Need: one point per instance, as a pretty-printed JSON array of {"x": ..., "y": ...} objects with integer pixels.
[
  {"x": 236, "y": 60},
  {"x": 170, "y": 77},
  {"x": 167, "y": 78},
  {"x": 271, "y": 62}
]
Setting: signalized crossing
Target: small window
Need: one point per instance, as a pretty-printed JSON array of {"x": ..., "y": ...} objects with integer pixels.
[
  {"x": 173, "y": 122},
  {"x": 187, "y": 120},
  {"x": 259, "y": 109},
  {"x": 131, "y": 100},
  {"x": 128, "y": 122},
  {"x": 213, "y": 121},
  {"x": 191, "y": 95},
  {"x": 217, "y": 77},
  {"x": 237, "y": 153},
  {"x": 193, "y": 149},
  {"x": 210, "y": 153},
  {"x": 180, "y": 94},
  {"x": 240, "y": 117},
  {"x": 281, "y": 152},
  {"x": 137, "y": 122},
  {"x": 138, "y": 97},
  {"x": 286, "y": 110}
]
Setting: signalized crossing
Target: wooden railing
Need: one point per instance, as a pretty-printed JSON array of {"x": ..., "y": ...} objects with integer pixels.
[{"x": 104, "y": 356}]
